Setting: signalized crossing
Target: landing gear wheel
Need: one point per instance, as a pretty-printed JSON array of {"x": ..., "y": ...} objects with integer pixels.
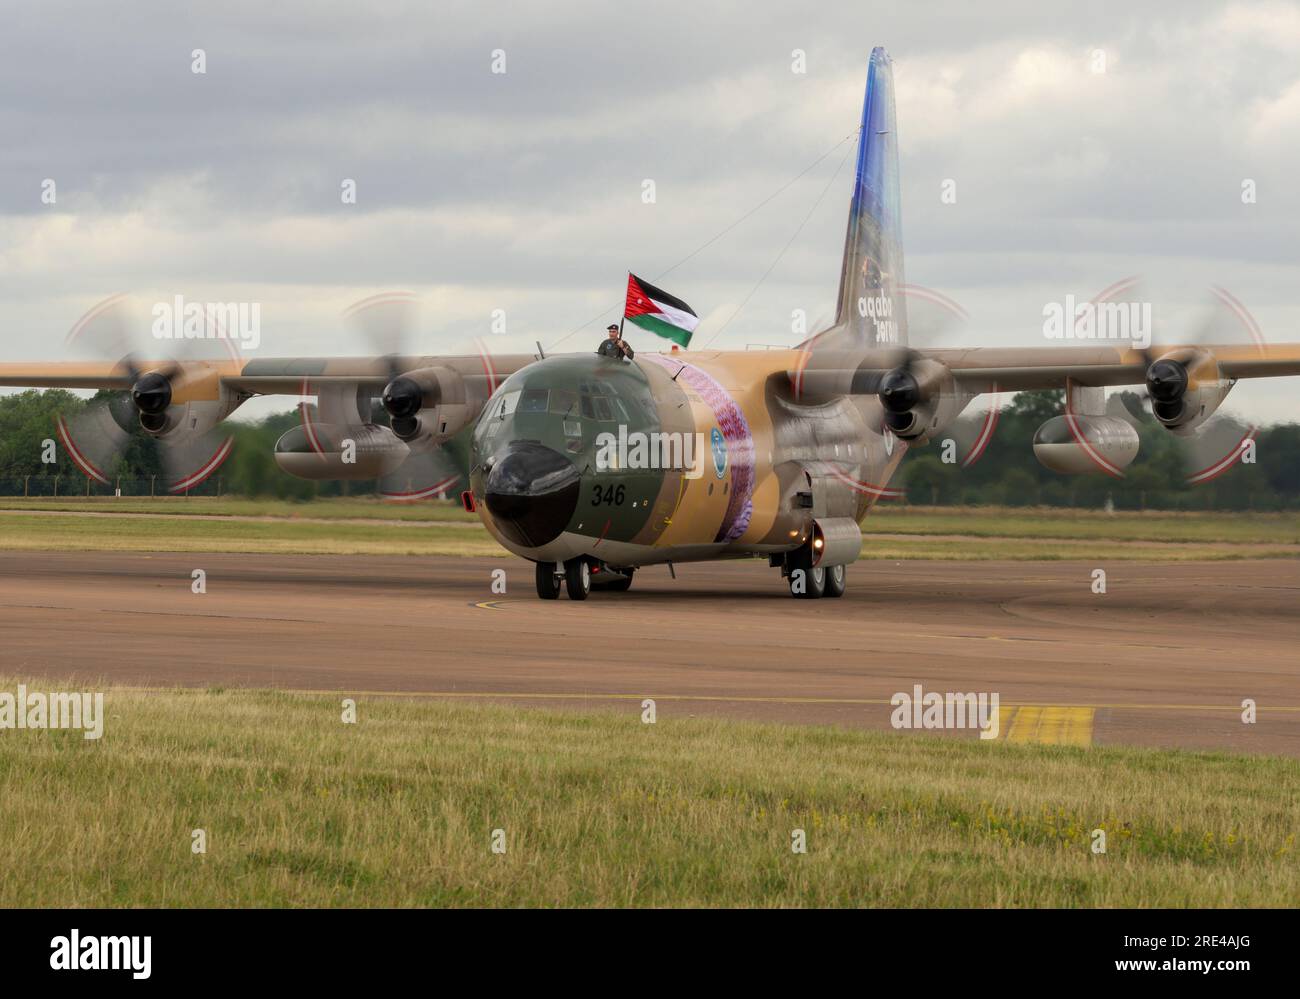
[
  {"x": 548, "y": 581},
  {"x": 806, "y": 582},
  {"x": 816, "y": 583},
  {"x": 836, "y": 579},
  {"x": 577, "y": 578}
]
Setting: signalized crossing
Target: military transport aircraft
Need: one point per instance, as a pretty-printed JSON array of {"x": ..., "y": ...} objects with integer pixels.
[{"x": 593, "y": 466}]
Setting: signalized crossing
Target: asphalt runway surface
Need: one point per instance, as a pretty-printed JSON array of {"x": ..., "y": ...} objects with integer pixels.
[{"x": 1166, "y": 657}]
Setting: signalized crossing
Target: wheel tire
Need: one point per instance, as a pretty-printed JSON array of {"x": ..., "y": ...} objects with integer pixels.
[
  {"x": 836, "y": 580},
  {"x": 814, "y": 578},
  {"x": 548, "y": 581},
  {"x": 577, "y": 578}
]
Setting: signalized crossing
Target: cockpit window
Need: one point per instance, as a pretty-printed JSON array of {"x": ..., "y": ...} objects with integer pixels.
[
  {"x": 533, "y": 401},
  {"x": 507, "y": 405},
  {"x": 564, "y": 401},
  {"x": 597, "y": 407}
]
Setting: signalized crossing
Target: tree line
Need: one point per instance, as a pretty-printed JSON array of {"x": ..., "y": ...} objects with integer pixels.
[{"x": 1007, "y": 473}]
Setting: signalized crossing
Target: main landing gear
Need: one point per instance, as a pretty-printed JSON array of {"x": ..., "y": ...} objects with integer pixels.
[
  {"x": 808, "y": 581},
  {"x": 579, "y": 576}
]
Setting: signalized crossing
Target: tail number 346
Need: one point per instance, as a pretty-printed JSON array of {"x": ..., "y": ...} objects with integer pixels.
[{"x": 610, "y": 495}]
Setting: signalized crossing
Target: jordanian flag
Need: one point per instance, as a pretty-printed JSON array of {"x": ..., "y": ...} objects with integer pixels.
[{"x": 659, "y": 312}]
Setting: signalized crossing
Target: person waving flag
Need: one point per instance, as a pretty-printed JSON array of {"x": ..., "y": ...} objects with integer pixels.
[{"x": 659, "y": 312}]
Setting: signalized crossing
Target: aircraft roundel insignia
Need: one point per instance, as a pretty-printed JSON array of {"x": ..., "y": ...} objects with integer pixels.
[{"x": 719, "y": 447}]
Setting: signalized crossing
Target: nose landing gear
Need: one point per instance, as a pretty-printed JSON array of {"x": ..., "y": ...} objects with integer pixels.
[
  {"x": 579, "y": 577},
  {"x": 575, "y": 575},
  {"x": 548, "y": 581}
]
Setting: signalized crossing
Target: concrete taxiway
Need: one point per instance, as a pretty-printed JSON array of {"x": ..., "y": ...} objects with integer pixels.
[{"x": 1165, "y": 657}]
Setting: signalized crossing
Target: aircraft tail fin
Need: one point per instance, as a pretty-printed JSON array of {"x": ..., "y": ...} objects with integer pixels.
[{"x": 871, "y": 307}]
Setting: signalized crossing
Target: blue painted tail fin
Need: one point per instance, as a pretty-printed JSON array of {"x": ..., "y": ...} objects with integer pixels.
[{"x": 871, "y": 307}]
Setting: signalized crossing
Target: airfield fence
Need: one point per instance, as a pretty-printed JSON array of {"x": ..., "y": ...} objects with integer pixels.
[{"x": 82, "y": 485}]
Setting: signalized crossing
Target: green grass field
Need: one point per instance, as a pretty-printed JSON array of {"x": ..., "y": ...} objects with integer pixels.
[
  {"x": 1052, "y": 523},
  {"x": 600, "y": 809},
  {"x": 72, "y": 532},
  {"x": 371, "y": 527},
  {"x": 234, "y": 506}
]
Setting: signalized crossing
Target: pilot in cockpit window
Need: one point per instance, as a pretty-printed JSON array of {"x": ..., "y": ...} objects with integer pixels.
[{"x": 614, "y": 345}]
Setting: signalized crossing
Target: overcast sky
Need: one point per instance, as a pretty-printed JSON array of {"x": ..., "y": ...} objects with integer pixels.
[{"x": 522, "y": 190}]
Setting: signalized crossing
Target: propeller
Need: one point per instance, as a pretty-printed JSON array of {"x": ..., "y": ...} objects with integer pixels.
[
  {"x": 910, "y": 390},
  {"x": 185, "y": 439},
  {"x": 899, "y": 379},
  {"x": 1166, "y": 383},
  {"x": 387, "y": 325},
  {"x": 152, "y": 393},
  {"x": 899, "y": 393},
  {"x": 1216, "y": 445}
]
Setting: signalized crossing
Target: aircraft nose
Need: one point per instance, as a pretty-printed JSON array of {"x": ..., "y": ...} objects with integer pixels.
[{"x": 531, "y": 492}]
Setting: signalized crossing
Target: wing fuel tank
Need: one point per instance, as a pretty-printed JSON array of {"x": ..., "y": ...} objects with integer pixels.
[
  {"x": 1084, "y": 445},
  {"x": 324, "y": 451}
]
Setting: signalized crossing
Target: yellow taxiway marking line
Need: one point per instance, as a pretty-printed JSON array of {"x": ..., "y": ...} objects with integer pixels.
[
  {"x": 589, "y": 696},
  {"x": 1051, "y": 726},
  {"x": 489, "y": 604}
]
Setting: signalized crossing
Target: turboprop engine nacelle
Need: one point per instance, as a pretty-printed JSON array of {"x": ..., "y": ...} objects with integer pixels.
[
  {"x": 1186, "y": 388},
  {"x": 433, "y": 403},
  {"x": 918, "y": 396},
  {"x": 185, "y": 401},
  {"x": 324, "y": 451},
  {"x": 920, "y": 399},
  {"x": 1079, "y": 445}
]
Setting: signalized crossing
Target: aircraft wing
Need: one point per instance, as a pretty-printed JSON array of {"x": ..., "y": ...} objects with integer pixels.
[
  {"x": 1012, "y": 369},
  {"x": 263, "y": 376},
  {"x": 65, "y": 374},
  {"x": 824, "y": 372},
  {"x": 296, "y": 376},
  {"x": 1016, "y": 369}
]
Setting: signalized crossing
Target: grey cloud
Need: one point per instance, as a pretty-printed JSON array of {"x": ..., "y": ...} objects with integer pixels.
[{"x": 525, "y": 187}]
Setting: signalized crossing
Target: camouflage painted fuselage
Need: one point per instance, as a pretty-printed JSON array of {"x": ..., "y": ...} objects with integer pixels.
[{"x": 763, "y": 465}]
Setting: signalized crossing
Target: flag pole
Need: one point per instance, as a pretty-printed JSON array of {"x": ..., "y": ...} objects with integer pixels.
[{"x": 624, "y": 315}]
